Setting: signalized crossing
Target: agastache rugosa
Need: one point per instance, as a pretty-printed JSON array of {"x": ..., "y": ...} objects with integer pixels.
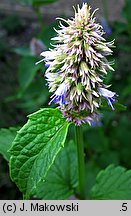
[{"x": 77, "y": 66}]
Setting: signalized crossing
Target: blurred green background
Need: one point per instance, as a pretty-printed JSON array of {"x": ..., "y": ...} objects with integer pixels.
[{"x": 26, "y": 27}]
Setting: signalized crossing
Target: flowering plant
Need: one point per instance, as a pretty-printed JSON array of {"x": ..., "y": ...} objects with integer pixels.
[{"x": 76, "y": 68}]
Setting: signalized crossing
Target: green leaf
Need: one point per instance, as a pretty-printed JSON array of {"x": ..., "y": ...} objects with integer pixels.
[
  {"x": 47, "y": 33},
  {"x": 92, "y": 170},
  {"x": 42, "y": 2},
  {"x": 37, "y": 2},
  {"x": 6, "y": 138},
  {"x": 61, "y": 180},
  {"x": 97, "y": 140},
  {"x": 36, "y": 147},
  {"x": 23, "y": 51},
  {"x": 27, "y": 71},
  {"x": 127, "y": 11},
  {"x": 34, "y": 97},
  {"x": 120, "y": 137},
  {"x": 127, "y": 89},
  {"x": 118, "y": 107},
  {"x": 112, "y": 183}
]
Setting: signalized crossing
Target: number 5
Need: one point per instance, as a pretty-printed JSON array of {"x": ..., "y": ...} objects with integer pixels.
[{"x": 124, "y": 206}]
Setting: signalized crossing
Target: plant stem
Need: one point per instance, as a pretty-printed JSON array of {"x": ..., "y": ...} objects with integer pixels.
[
  {"x": 81, "y": 163},
  {"x": 38, "y": 14}
]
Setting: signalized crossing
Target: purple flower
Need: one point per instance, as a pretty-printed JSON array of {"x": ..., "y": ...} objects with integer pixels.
[
  {"x": 50, "y": 77},
  {"x": 59, "y": 95},
  {"x": 48, "y": 56},
  {"x": 105, "y": 26},
  {"x": 109, "y": 95},
  {"x": 96, "y": 122},
  {"x": 47, "y": 64}
]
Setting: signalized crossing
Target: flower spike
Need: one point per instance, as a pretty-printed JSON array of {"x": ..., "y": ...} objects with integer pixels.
[{"x": 76, "y": 67}]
